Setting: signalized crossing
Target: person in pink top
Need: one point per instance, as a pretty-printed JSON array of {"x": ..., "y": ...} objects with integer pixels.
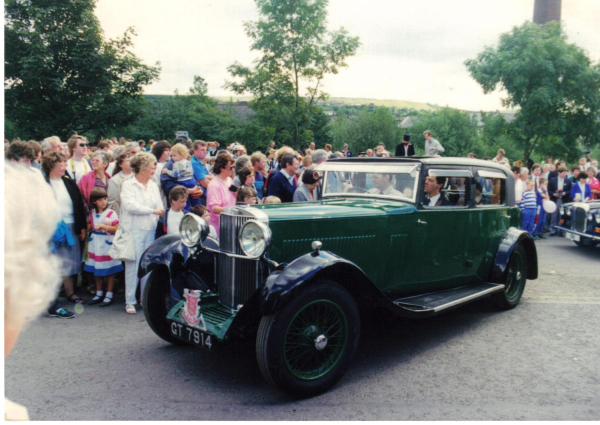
[
  {"x": 593, "y": 182},
  {"x": 218, "y": 195}
]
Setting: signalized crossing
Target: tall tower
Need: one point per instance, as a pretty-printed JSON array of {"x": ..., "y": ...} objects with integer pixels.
[{"x": 546, "y": 11}]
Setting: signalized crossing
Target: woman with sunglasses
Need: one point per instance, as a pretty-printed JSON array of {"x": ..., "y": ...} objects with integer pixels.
[
  {"x": 78, "y": 166},
  {"x": 218, "y": 195}
]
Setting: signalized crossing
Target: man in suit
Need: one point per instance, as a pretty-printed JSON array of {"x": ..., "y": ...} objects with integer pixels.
[
  {"x": 405, "y": 148},
  {"x": 283, "y": 184},
  {"x": 559, "y": 188},
  {"x": 434, "y": 198}
]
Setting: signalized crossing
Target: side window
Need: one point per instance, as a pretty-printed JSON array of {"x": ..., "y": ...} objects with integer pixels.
[
  {"x": 490, "y": 188},
  {"x": 447, "y": 188}
]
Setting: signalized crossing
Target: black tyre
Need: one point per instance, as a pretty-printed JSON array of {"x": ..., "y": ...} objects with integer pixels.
[
  {"x": 514, "y": 281},
  {"x": 157, "y": 303},
  {"x": 307, "y": 346}
]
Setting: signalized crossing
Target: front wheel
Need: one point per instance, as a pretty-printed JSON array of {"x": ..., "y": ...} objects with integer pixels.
[
  {"x": 307, "y": 346},
  {"x": 157, "y": 303},
  {"x": 514, "y": 282}
]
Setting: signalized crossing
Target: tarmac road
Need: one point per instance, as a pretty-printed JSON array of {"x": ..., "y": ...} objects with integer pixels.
[{"x": 539, "y": 361}]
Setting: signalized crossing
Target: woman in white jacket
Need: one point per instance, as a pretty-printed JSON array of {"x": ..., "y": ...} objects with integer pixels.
[{"x": 140, "y": 208}]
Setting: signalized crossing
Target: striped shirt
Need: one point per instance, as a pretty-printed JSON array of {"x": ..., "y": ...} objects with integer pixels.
[{"x": 528, "y": 200}]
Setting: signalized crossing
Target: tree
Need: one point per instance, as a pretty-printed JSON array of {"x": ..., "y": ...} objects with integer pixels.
[
  {"x": 553, "y": 82},
  {"x": 297, "y": 52},
  {"x": 62, "y": 76},
  {"x": 455, "y": 129},
  {"x": 366, "y": 130}
]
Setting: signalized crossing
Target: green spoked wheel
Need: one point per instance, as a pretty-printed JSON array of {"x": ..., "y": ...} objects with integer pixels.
[
  {"x": 514, "y": 282},
  {"x": 307, "y": 346},
  {"x": 315, "y": 340}
]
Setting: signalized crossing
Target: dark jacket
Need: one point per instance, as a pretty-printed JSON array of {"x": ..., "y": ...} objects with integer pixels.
[
  {"x": 280, "y": 186},
  {"x": 400, "y": 150},
  {"x": 79, "y": 214},
  {"x": 553, "y": 186},
  {"x": 441, "y": 202}
]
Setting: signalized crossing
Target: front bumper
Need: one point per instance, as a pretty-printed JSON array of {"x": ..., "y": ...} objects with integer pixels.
[{"x": 580, "y": 234}]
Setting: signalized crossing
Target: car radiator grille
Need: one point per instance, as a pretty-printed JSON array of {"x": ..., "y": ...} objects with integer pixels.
[
  {"x": 237, "y": 278},
  {"x": 579, "y": 219}
]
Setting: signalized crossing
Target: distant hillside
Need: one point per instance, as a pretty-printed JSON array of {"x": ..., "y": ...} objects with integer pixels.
[
  {"x": 339, "y": 101},
  {"x": 349, "y": 101}
]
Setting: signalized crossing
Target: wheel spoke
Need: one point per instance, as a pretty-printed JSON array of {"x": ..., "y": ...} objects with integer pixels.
[{"x": 321, "y": 317}]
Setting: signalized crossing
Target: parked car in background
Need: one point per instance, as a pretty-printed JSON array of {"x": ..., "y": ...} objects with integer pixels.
[
  {"x": 299, "y": 278},
  {"x": 580, "y": 222}
]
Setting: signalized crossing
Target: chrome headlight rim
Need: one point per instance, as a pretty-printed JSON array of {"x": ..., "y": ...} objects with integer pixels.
[
  {"x": 193, "y": 230},
  {"x": 266, "y": 234}
]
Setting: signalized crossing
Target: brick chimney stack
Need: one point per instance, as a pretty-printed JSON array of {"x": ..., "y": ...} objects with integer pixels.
[{"x": 546, "y": 11}]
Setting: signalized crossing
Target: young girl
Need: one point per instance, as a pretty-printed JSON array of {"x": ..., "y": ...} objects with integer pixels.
[
  {"x": 104, "y": 224},
  {"x": 246, "y": 195}
]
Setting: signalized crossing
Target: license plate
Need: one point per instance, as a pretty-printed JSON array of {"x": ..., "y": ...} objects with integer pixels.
[
  {"x": 573, "y": 237},
  {"x": 191, "y": 335}
]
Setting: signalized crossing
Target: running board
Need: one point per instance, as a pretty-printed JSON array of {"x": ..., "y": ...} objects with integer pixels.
[{"x": 435, "y": 302}]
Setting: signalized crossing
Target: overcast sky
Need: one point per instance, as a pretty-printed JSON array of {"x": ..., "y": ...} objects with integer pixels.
[{"x": 410, "y": 49}]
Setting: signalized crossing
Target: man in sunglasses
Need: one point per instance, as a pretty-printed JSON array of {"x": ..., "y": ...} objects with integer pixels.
[{"x": 78, "y": 165}]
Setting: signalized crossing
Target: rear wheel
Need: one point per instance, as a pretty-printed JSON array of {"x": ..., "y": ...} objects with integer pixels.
[
  {"x": 514, "y": 282},
  {"x": 307, "y": 346},
  {"x": 157, "y": 304}
]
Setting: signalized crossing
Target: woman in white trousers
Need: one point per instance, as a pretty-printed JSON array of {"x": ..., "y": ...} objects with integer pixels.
[{"x": 141, "y": 206}]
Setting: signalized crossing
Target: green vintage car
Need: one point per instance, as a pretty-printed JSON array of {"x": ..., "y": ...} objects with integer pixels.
[{"x": 299, "y": 278}]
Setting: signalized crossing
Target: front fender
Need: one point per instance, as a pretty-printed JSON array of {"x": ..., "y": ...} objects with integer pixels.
[
  {"x": 161, "y": 252},
  {"x": 282, "y": 286},
  {"x": 511, "y": 239},
  {"x": 165, "y": 249}
]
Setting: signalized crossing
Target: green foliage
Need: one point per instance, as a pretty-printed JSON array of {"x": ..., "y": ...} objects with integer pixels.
[
  {"x": 296, "y": 51},
  {"x": 61, "y": 76},
  {"x": 554, "y": 84},
  {"x": 366, "y": 130},
  {"x": 453, "y": 128},
  {"x": 195, "y": 112}
]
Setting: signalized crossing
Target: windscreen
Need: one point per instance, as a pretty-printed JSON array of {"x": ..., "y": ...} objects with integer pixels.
[{"x": 370, "y": 180}]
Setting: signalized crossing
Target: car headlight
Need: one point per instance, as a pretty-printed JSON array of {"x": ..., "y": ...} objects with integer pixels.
[
  {"x": 568, "y": 212},
  {"x": 590, "y": 217},
  {"x": 193, "y": 230},
  {"x": 562, "y": 211},
  {"x": 255, "y": 238},
  {"x": 598, "y": 217}
]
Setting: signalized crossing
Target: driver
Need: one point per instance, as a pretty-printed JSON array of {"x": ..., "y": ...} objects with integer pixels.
[
  {"x": 433, "y": 185},
  {"x": 383, "y": 185}
]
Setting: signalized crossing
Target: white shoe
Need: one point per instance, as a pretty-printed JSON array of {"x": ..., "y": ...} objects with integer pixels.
[{"x": 130, "y": 309}]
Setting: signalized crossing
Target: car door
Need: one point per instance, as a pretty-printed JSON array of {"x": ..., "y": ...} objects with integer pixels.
[{"x": 441, "y": 250}]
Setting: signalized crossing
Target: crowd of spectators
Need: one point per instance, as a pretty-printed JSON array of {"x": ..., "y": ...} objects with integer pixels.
[{"x": 147, "y": 188}]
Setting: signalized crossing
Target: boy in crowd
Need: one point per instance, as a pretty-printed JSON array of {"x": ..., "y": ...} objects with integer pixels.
[
  {"x": 529, "y": 207},
  {"x": 169, "y": 224}
]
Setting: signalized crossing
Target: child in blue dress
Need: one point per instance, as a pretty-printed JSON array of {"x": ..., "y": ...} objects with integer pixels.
[{"x": 104, "y": 224}]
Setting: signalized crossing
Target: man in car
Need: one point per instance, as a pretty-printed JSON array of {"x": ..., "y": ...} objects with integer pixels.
[
  {"x": 434, "y": 198},
  {"x": 383, "y": 185}
]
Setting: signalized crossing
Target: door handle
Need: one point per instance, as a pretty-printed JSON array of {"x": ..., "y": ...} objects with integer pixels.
[{"x": 421, "y": 223}]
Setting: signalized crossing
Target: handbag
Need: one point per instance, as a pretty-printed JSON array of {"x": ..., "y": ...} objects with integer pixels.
[{"x": 123, "y": 246}]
